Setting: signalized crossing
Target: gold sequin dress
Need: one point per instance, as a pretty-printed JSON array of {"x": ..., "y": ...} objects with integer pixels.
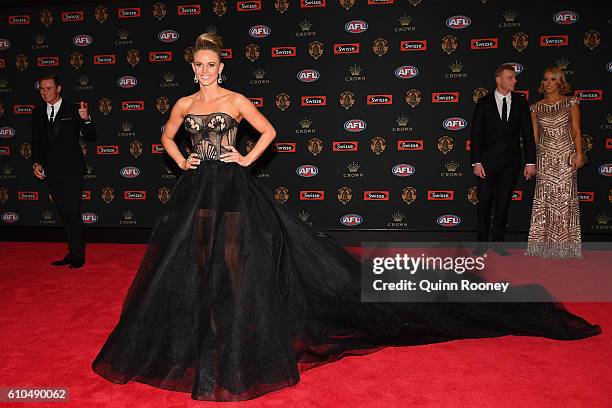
[{"x": 555, "y": 219}]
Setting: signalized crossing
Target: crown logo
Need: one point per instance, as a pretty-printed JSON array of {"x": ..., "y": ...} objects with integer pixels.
[
  {"x": 7, "y": 170},
  {"x": 398, "y": 216},
  {"x": 405, "y": 20},
  {"x": 451, "y": 166},
  {"x": 47, "y": 214},
  {"x": 39, "y": 39},
  {"x": 305, "y": 25},
  {"x": 259, "y": 73},
  {"x": 305, "y": 123},
  {"x": 89, "y": 168},
  {"x": 169, "y": 76},
  {"x": 563, "y": 63},
  {"x": 126, "y": 126},
  {"x": 352, "y": 167},
  {"x": 456, "y": 66},
  {"x": 128, "y": 215},
  {"x": 123, "y": 34},
  {"x": 304, "y": 215},
  {"x": 402, "y": 120},
  {"x": 609, "y": 118},
  {"x": 83, "y": 79},
  {"x": 3, "y": 83},
  {"x": 602, "y": 219},
  {"x": 355, "y": 70},
  {"x": 510, "y": 16}
]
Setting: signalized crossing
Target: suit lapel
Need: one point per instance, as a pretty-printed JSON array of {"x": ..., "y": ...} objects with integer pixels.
[
  {"x": 513, "y": 107},
  {"x": 58, "y": 118},
  {"x": 493, "y": 105}
]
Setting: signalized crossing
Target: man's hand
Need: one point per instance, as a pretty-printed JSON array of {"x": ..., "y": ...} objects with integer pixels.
[
  {"x": 479, "y": 171},
  {"x": 530, "y": 170},
  {"x": 83, "y": 111},
  {"x": 39, "y": 172}
]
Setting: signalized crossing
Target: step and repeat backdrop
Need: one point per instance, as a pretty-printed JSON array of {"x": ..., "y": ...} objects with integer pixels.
[{"x": 372, "y": 101}]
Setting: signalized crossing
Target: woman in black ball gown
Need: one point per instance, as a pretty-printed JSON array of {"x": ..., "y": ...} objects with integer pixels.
[{"x": 236, "y": 296}]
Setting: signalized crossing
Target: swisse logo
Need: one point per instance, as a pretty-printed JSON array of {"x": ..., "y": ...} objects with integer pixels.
[
  {"x": 86, "y": 195},
  {"x": 5, "y": 44},
  {"x": 448, "y": 220},
  {"x": 403, "y": 170},
  {"x": 406, "y": 71},
  {"x": 7, "y": 132},
  {"x": 589, "y": 94},
  {"x": 226, "y": 53},
  {"x": 132, "y": 105},
  {"x": 554, "y": 40},
  {"x": 445, "y": 97},
  {"x": 89, "y": 218},
  {"x": 104, "y": 59},
  {"x": 23, "y": 109},
  {"x": 308, "y": 75},
  {"x": 254, "y": 5},
  {"x": 259, "y": 102},
  {"x": 454, "y": 123},
  {"x": 605, "y": 169},
  {"x": 351, "y": 220},
  {"x": 376, "y": 195},
  {"x": 157, "y": 148},
  {"x": 127, "y": 81},
  {"x": 283, "y": 147},
  {"x": 307, "y": 170},
  {"x": 566, "y": 17},
  {"x": 458, "y": 22},
  {"x": 130, "y": 172},
  {"x": 82, "y": 40},
  {"x": 380, "y": 99},
  {"x": 518, "y": 68},
  {"x": 47, "y": 61},
  {"x": 168, "y": 36},
  {"x": 440, "y": 195},
  {"x": 314, "y": 100},
  {"x": 160, "y": 56},
  {"x": 189, "y": 10},
  {"x": 410, "y": 145},
  {"x": 351, "y": 146},
  {"x": 355, "y": 125},
  {"x": 259, "y": 31},
  {"x": 68, "y": 16},
  {"x": 346, "y": 48},
  {"x": 134, "y": 195},
  {"x": 107, "y": 149},
  {"x": 312, "y": 195},
  {"x": 608, "y": 143},
  {"x": 5, "y": 150},
  {"x": 312, "y": 3},
  {"x": 10, "y": 217},
  {"x": 609, "y": 66},
  {"x": 413, "y": 45},
  {"x": 19, "y": 20},
  {"x": 27, "y": 195},
  {"x": 284, "y": 52},
  {"x": 484, "y": 43},
  {"x": 586, "y": 196},
  {"x": 517, "y": 195},
  {"x": 356, "y": 26},
  {"x": 132, "y": 12}
]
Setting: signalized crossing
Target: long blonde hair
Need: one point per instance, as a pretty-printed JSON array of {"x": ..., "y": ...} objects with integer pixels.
[{"x": 560, "y": 76}]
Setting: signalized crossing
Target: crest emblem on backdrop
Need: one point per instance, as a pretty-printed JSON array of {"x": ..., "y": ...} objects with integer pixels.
[
  {"x": 413, "y": 97},
  {"x": 136, "y": 148},
  {"x": 449, "y": 44},
  {"x": 46, "y": 17},
  {"x": 344, "y": 195},
  {"x": 473, "y": 195},
  {"x": 378, "y": 145},
  {"x": 479, "y": 93},
  {"x": 163, "y": 195},
  {"x": 108, "y": 194},
  {"x": 380, "y": 46},
  {"x": 592, "y": 38},
  {"x": 520, "y": 41},
  {"x": 76, "y": 60},
  {"x": 83, "y": 148},
  {"x": 21, "y": 62},
  {"x": 159, "y": 10},
  {"x": 315, "y": 146},
  {"x": 281, "y": 5},
  {"x": 281, "y": 194},
  {"x": 133, "y": 57},
  {"x": 282, "y": 101},
  {"x": 101, "y": 14},
  {"x": 347, "y": 4},
  {"x": 315, "y": 49},
  {"x": 445, "y": 144},
  {"x": 162, "y": 104},
  {"x": 25, "y": 150},
  {"x": 4, "y": 195},
  {"x": 347, "y": 99},
  {"x": 188, "y": 54},
  {"x": 105, "y": 106},
  {"x": 252, "y": 52},
  {"x": 409, "y": 195}
]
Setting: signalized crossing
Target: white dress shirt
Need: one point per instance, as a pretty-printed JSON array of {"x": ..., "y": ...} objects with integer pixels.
[
  {"x": 56, "y": 107},
  {"x": 499, "y": 100}
]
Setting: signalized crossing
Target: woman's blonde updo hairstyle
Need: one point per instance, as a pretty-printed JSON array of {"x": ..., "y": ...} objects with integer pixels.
[{"x": 210, "y": 42}]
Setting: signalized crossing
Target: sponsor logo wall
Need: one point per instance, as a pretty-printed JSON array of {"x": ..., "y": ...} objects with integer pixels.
[{"x": 372, "y": 101}]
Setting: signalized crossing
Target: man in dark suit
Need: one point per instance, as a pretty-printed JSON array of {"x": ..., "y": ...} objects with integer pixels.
[
  {"x": 57, "y": 125},
  {"x": 501, "y": 120}
]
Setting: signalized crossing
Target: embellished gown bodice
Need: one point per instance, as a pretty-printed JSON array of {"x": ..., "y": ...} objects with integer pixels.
[{"x": 211, "y": 134}]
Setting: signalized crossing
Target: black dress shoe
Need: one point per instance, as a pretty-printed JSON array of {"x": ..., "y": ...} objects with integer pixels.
[
  {"x": 66, "y": 261},
  {"x": 77, "y": 262}
]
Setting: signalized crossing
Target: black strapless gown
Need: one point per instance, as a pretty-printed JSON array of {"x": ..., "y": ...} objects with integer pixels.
[{"x": 236, "y": 295}]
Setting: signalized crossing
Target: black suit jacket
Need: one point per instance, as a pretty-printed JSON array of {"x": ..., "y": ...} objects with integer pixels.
[
  {"x": 58, "y": 149},
  {"x": 495, "y": 144}
]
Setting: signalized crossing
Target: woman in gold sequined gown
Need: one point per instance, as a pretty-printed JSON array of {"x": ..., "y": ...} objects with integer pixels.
[{"x": 555, "y": 219}]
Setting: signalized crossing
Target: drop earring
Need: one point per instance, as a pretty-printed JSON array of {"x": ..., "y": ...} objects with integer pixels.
[
  {"x": 219, "y": 80},
  {"x": 195, "y": 79}
]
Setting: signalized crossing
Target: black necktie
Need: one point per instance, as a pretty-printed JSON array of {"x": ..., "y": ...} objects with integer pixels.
[
  {"x": 53, "y": 114},
  {"x": 504, "y": 111}
]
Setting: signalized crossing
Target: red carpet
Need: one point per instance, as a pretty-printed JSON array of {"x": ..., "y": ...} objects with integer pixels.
[{"x": 54, "y": 320}]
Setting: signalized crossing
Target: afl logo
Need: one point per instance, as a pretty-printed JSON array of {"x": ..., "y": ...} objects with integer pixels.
[
  {"x": 127, "y": 81},
  {"x": 130, "y": 171},
  {"x": 518, "y": 68},
  {"x": 5, "y": 44},
  {"x": 609, "y": 66},
  {"x": 605, "y": 169},
  {"x": 448, "y": 220},
  {"x": 458, "y": 22},
  {"x": 308, "y": 75},
  {"x": 82, "y": 40},
  {"x": 356, "y": 26},
  {"x": 168, "y": 36},
  {"x": 307, "y": 170},
  {"x": 351, "y": 220},
  {"x": 259, "y": 31},
  {"x": 7, "y": 132},
  {"x": 454, "y": 123},
  {"x": 10, "y": 217},
  {"x": 566, "y": 17},
  {"x": 406, "y": 72},
  {"x": 403, "y": 170},
  {"x": 355, "y": 125},
  {"x": 89, "y": 218}
]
